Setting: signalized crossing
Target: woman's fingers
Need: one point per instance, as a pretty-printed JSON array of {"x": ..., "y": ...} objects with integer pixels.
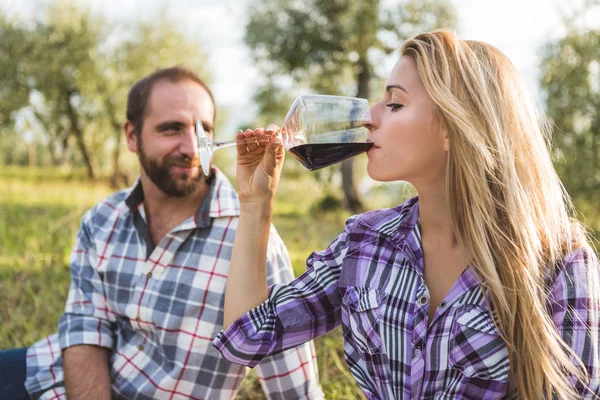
[
  {"x": 274, "y": 150},
  {"x": 252, "y": 144},
  {"x": 240, "y": 145},
  {"x": 260, "y": 157},
  {"x": 251, "y": 140}
]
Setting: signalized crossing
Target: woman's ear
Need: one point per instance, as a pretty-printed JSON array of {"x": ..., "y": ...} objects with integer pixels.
[
  {"x": 446, "y": 141},
  {"x": 444, "y": 133}
]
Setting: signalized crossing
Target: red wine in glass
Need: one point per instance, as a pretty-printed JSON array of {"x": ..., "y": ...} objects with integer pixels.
[
  {"x": 320, "y": 155},
  {"x": 318, "y": 130}
]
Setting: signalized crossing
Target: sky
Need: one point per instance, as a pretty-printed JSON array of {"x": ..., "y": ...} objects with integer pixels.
[{"x": 516, "y": 27}]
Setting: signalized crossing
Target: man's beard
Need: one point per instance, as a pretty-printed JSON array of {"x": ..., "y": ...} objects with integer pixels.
[{"x": 159, "y": 173}]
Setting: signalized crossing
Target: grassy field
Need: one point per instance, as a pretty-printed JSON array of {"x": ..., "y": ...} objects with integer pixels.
[{"x": 40, "y": 211}]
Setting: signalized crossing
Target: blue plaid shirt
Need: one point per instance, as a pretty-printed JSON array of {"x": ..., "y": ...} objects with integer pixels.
[{"x": 157, "y": 309}]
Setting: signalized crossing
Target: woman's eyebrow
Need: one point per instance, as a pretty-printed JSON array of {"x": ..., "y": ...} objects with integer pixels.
[{"x": 388, "y": 88}]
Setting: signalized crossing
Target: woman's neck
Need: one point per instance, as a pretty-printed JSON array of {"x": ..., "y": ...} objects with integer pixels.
[{"x": 435, "y": 216}]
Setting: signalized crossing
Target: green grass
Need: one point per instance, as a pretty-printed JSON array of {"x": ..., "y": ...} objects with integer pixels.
[{"x": 40, "y": 212}]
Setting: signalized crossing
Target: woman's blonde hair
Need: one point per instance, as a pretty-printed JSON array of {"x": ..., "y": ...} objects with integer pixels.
[{"x": 509, "y": 208}]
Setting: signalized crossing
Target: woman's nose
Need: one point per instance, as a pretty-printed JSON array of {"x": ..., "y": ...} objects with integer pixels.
[{"x": 367, "y": 119}]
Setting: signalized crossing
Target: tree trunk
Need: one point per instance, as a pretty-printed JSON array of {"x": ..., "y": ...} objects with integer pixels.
[
  {"x": 32, "y": 154},
  {"x": 78, "y": 133},
  {"x": 52, "y": 131},
  {"x": 52, "y": 150},
  {"x": 118, "y": 178},
  {"x": 352, "y": 199},
  {"x": 65, "y": 150}
]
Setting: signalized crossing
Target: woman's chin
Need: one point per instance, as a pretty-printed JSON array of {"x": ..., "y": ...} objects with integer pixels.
[{"x": 382, "y": 174}]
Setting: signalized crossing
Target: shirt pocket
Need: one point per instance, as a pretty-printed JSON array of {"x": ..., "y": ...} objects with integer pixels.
[
  {"x": 477, "y": 349},
  {"x": 364, "y": 307}
]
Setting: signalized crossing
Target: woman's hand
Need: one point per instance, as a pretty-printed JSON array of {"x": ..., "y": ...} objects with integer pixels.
[{"x": 259, "y": 162}]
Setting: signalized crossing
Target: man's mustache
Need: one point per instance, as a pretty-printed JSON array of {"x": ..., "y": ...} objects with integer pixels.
[{"x": 184, "y": 161}]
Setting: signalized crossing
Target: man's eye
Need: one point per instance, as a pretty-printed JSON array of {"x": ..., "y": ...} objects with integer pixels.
[
  {"x": 207, "y": 129},
  {"x": 170, "y": 130},
  {"x": 394, "y": 106}
]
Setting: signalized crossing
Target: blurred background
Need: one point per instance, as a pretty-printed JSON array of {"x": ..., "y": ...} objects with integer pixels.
[{"x": 66, "y": 67}]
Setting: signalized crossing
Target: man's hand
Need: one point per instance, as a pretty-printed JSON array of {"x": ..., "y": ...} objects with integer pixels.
[{"x": 86, "y": 373}]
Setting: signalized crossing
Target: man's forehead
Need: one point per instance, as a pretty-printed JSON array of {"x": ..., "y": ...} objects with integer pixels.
[{"x": 181, "y": 97}]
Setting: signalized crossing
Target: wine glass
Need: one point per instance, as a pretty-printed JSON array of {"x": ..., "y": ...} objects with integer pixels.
[{"x": 318, "y": 130}]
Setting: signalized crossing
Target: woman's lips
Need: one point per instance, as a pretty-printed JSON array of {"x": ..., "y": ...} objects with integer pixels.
[{"x": 373, "y": 148}]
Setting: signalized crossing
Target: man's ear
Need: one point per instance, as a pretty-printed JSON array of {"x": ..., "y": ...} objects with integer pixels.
[{"x": 131, "y": 136}]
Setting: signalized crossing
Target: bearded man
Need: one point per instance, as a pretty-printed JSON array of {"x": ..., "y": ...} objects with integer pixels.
[{"x": 148, "y": 275}]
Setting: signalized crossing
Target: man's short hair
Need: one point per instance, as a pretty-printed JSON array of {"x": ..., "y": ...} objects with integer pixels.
[{"x": 137, "y": 99}]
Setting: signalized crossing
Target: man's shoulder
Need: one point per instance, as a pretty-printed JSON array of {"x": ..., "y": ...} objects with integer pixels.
[
  {"x": 109, "y": 206},
  {"x": 225, "y": 201}
]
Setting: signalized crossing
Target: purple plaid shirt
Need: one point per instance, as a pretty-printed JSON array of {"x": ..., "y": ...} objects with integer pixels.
[
  {"x": 370, "y": 280},
  {"x": 158, "y": 309}
]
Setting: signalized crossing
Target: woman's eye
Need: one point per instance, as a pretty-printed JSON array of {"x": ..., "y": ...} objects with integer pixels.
[{"x": 394, "y": 106}]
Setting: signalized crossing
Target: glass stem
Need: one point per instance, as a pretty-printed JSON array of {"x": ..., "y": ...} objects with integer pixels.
[{"x": 228, "y": 143}]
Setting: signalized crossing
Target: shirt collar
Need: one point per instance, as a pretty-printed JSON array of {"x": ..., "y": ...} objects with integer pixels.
[
  {"x": 221, "y": 200},
  {"x": 401, "y": 225},
  {"x": 397, "y": 223}
]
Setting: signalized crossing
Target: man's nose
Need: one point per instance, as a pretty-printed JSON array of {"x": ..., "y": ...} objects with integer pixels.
[{"x": 189, "y": 142}]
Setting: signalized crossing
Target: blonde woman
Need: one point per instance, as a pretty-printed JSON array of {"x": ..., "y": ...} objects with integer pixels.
[{"x": 482, "y": 287}]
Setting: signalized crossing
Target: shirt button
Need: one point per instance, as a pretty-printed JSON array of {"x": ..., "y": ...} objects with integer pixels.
[
  {"x": 423, "y": 300},
  {"x": 141, "y": 347},
  {"x": 443, "y": 304},
  {"x": 149, "y": 275},
  {"x": 138, "y": 319}
]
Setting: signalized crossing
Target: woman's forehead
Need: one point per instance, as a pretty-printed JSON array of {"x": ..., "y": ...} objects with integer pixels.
[{"x": 405, "y": 74}]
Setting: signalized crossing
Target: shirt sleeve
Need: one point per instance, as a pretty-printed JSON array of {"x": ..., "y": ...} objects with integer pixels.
[
  {"x": 292, "y": 373},
  {"x": 575, "y": 311},
  {"x": 86, "y": 319},
  {"x": 293, "y": 314}
]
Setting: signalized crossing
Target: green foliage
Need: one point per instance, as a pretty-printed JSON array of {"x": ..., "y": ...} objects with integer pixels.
[
  {"x": 331, "y": 47},
  {"x": 13, "y": 92},
  {"x": 326, "y": 44},
  {"x": 66, "y": 72},
  {"x": 571, "y": 83}
]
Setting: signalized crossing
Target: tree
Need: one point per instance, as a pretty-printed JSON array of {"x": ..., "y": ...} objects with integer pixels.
[
  {"x": 332, "y": 46},
  {"x": 14, "y": 93},
  {"x": 141, "y": 50},
  {"x": 67, "y": 71},
  {"x": 62, "y": 70},
  {"x": 571, "y": 83}
]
